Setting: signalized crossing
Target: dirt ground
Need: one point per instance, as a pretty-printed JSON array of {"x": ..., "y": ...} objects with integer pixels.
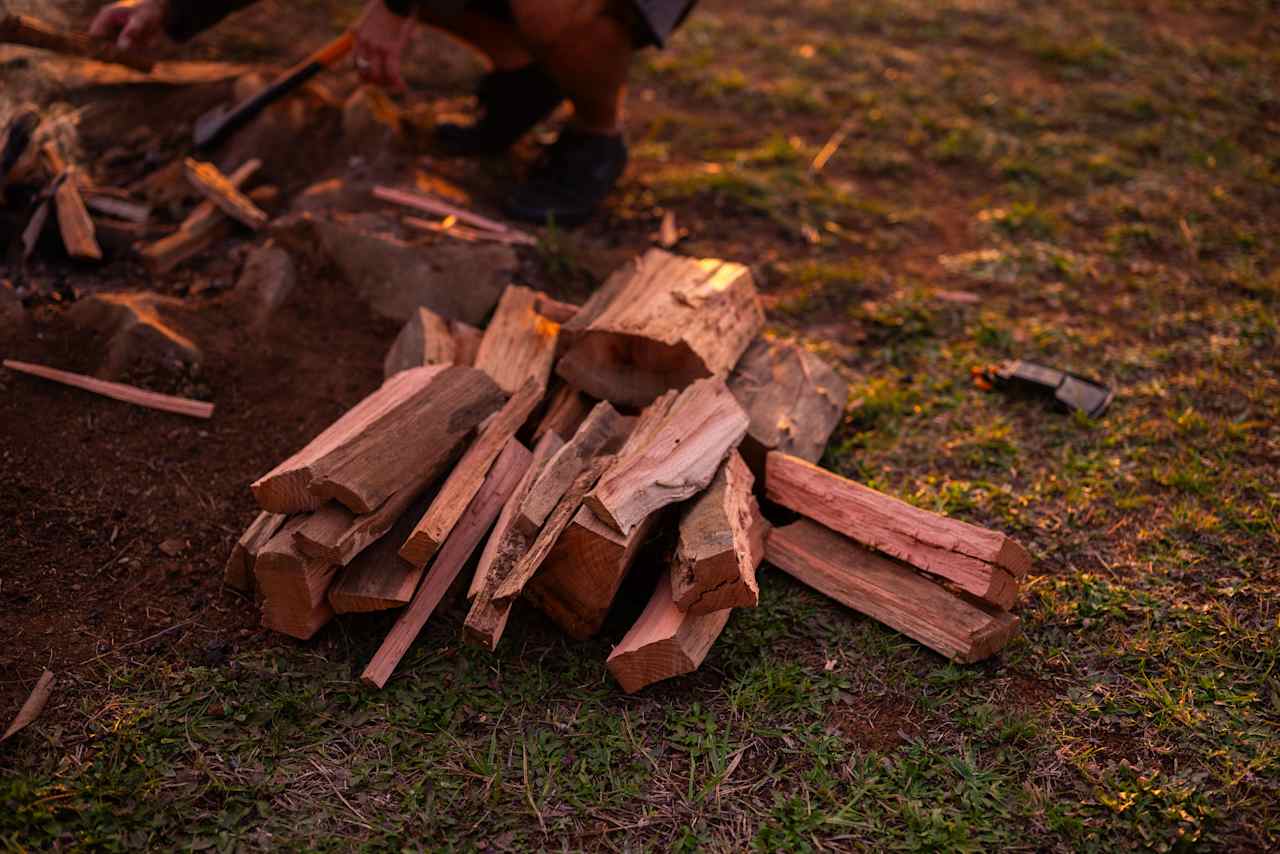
[{"x": 1091, "y": 186}]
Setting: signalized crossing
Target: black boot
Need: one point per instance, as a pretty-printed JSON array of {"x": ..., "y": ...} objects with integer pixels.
[
  {"x": 572, "y": 179},
  {"x": 511, "y": 102}
]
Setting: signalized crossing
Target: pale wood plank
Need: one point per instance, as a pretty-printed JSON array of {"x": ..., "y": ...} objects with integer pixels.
[
  {"x": 890, "y": 592},
  {"x": 980, "y": 561}
]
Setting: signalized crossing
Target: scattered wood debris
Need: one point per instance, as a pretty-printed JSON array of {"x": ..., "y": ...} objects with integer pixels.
[
  {"x": 32, "y": 708},
  {"x": 481, "y": 226},
  {"x": 117, "y": 391},
  {"x": 385, "y": 508}
]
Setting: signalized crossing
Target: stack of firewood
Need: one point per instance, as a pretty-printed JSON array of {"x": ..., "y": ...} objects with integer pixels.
[{"x": 560, "y": 441}]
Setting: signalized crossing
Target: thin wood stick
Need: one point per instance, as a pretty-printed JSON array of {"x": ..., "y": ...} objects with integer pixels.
[
  {"x": 449, "y": 563},
  {"x": 462, "y": 232},
  {"x": 410, "y": 199},
  {"x": 118, "y": 391},
  {"x": 34, "y": 705}
]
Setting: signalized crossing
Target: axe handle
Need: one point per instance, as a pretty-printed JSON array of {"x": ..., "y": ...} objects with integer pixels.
[{"x": 290, "y": 80}]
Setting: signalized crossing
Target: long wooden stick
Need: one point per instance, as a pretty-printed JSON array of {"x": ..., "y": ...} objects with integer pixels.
[
  {"x": 410, "y": 199},
  {"x": 118, "y": 391},
  {"x": 34, "y": 705}
]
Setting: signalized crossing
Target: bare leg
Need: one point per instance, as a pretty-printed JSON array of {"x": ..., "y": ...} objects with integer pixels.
[
  {"x": 497, "y": 39},
  {"x": 587, "y": 49}
]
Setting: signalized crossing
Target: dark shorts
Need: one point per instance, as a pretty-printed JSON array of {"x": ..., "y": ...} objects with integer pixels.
[{"x": 651, "y": 21}]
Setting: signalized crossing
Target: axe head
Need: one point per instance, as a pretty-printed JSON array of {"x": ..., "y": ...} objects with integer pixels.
[{"x": 209, "y": 126}]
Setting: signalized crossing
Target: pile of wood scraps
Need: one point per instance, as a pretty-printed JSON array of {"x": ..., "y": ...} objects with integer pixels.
[{"x": 651, "y": 432}]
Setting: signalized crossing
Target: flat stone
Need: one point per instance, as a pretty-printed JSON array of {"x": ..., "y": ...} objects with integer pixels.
[
  {"x": 459, "y": 281},
  {"x": 135, "y": 331}
]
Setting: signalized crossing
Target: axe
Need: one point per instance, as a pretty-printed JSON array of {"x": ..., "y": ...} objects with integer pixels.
[{"x": 215, "y": 126}]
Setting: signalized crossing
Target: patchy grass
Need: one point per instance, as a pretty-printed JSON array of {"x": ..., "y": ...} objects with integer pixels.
[{"x": 1104, "y": 178}]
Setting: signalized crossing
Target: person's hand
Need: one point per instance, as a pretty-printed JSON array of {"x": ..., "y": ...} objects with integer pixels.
[
  {"x": 381, "y": 37},
  {"x": 131, "y": 23}
]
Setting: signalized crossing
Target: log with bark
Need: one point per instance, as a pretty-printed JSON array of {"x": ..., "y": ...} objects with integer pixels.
[
  {"x": 794, "y": 400},
  {"x": 519, "y": 344},
  {"x": 721, "y": 544},
  {"x": 673, "y": 460},
  {"x": 963, "y": 629},
  {"x": 980, "y": 561},
  {"x": 32, "y": 32},
  {"x": 658, "y": 324},
  {"x": 362, "y": 459},
  {"x": 487, "y": 619},
  {"x": 603, "y": 428}
]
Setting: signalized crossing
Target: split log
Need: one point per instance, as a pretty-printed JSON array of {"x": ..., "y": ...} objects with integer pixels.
[
  {"x": 487, "y": 619},
  {"x": 378, "y": 578},
  {"x": 794, "y": 400},
  {"x": 429, "y": 339},
  {"x": 566, "y": 508},
  {"x": 555, "y": 310},
  {"x": 565, "y": 412},
  {"x": 664, "y": 642},
  {"x": 519, "y": 344},
  {"x": 466, "y": 342},
  {"x": 73, "y": 219},
  {"x": 581, "y": 576},
  {"x": 32, "y": 32},
  {"x": 117, "y": 391},
  {"x": 468, "y": 475},
  {"x": 362, "y": 459},
  {"x": 721, "y": 545},
  {"x": 678, "y": 460},
  {"x": 979, "y": 561},
  {"x": 293, "y": 586},
  {"x": 890, "y": 592},
  {"x": 205, "y": 225},
  {"x": 239, "y": 571},
  {"x": 503, "y": 478},
  {"x": 209, "y": 181},
  {"x": 659, "y": 324},
  {"x": 602, "y": 428}
]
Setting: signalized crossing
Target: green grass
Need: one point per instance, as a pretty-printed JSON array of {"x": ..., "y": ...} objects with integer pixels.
[{"x": 1106, "y": 182}]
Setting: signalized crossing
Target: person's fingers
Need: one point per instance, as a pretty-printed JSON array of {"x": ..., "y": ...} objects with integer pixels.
[
  {"x": 135, "y": 33},
  {"x": 108, "y": 22}
]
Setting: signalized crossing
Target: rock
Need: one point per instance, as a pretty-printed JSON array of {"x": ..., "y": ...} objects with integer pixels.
[
  {"x": 279, "y": 135},
  {"x": 265, "y": 283},
  {"x": 134, "y": 331},
  {"x": 459, "y": 281},
  {"x": 173, "y": 546},
  {"x": 370, "y": 120}
]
